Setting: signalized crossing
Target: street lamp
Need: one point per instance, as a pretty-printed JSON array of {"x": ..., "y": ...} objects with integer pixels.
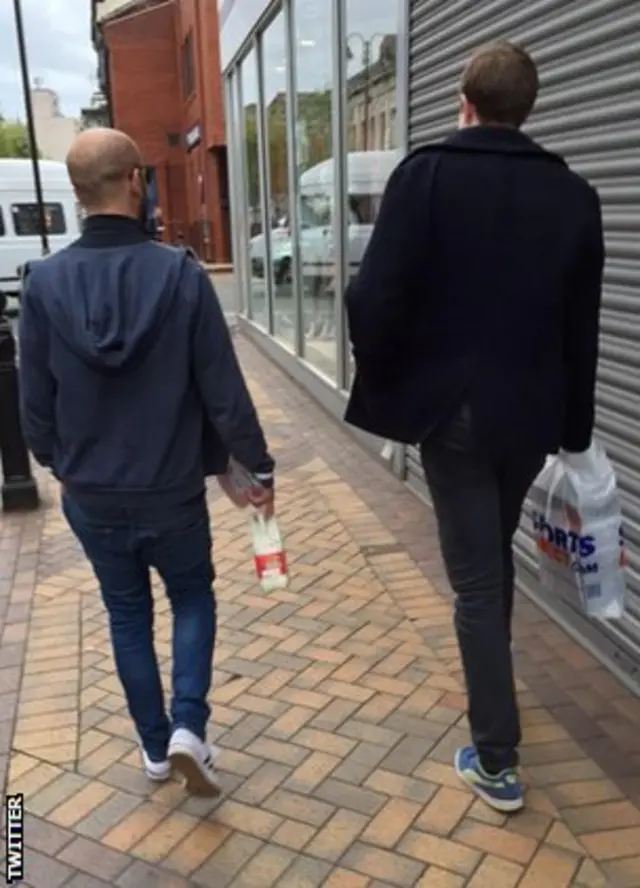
[{"x": 31, "y": 130}]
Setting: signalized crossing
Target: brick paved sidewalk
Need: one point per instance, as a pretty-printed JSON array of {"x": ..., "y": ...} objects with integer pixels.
[{"x": 337, "y": 705}]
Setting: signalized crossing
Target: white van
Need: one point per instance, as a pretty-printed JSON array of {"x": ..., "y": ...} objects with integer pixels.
[
  {"x": 367, "y": 176},
  {"x": 20, "y": 221}
]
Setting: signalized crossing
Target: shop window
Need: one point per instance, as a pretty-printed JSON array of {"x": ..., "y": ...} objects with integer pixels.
[
  {"x": 258, "y": 270},
  {"x": 314, "y": 55},
  {"x": 315, "y": 212},
  {"x": 370, "y": 55},
  {"x": 26, "y": 219},
  {"x": 188, "y": 66},
  {"x": 277, "y": 102}
]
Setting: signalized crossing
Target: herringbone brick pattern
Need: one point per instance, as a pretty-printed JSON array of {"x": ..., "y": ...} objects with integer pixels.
[{"x": 337, "y": 704}]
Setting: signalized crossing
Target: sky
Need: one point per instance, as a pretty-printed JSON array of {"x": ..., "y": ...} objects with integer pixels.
[
  {"x": 58, "y": 36},
  {"x": 60, "y": 53}
]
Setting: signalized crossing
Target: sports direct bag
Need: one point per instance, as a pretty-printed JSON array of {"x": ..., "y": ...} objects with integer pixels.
[{"x": 577, "y": 523}]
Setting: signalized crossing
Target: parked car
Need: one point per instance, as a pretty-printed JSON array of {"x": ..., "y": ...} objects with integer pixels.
[{"x": 281, "y": 253}]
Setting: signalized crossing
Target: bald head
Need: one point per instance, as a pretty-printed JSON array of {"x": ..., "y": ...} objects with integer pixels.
[{"x": 104, "y": 167}]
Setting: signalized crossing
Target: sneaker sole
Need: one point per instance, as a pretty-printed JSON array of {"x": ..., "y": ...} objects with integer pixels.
[
  {"x": 157, "y": 778},
  {"x": 504, "y": 806},
  {"x": 196, "y": 782}
]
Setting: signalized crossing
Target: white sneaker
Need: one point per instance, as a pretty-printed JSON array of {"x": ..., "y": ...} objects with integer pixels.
[
  {"x": 156, "y": 771},
  {"x": 195, "y": 760}
]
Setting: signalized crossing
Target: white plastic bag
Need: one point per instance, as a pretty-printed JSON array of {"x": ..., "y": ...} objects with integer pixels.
[
  {"x": 577, "y": 523},
  {"x": 270, "y": 558}
]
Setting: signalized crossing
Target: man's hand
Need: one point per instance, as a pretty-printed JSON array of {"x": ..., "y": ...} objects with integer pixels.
[
  {"x": 263, "y": 499},
  {"x": 238, "y": 497}
]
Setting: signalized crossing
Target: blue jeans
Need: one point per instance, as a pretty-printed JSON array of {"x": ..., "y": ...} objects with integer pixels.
[{"x": 122, "y": 545}]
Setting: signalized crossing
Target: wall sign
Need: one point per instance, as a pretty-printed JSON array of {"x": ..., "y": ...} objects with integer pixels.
[{"x": 193, "y": 137}]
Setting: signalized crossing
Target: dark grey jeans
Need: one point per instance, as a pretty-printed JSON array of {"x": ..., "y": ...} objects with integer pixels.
[{"x": 478, "y": 502}]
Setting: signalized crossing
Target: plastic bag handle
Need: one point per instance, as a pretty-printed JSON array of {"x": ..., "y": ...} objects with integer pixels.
[{"x": 581, "y": 461}]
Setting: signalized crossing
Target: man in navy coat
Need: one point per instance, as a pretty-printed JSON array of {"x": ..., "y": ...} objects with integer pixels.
[{"x": 474, "y": 322}]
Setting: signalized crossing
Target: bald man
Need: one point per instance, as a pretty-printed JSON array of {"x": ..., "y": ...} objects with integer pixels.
[{"x": 131, "y": 394}]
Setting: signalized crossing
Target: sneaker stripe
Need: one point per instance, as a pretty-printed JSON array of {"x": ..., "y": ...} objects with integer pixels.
[{"x": 503, "y": 792}]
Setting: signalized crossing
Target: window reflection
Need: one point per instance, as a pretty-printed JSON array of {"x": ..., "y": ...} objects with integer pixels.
[
  {"x": 371, "y": 117},
  {"x": 371, "y": 76},
  {"x": 253, "y": 209},
  {"x": 370, "y": 156},
  {"x": 313, "y": 55},
  {"x": 236, "y": 170},
  {"x": 275, "y": 91}
]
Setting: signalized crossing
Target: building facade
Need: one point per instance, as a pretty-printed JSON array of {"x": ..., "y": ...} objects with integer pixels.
[
  {"x": 323, "y": 98},
  {"x": 96, "y": 113},
  {"x": 159, "y": 69},
  {"x": 54, "y": 131}
]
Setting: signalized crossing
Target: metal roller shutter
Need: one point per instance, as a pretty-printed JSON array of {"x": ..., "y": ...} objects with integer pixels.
[{"x": 589, "y": 110}]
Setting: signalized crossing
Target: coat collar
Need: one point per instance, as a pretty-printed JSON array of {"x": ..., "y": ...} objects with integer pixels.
[
  {"x": 493, "y": 140},
  {"x": 111, "y": 231}
]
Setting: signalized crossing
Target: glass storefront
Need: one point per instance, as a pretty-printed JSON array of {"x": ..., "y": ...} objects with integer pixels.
[
  {"x": 316, "y": 86},
  {"x": 253, "y": 215},
  {"x": 275, "y": 68},
  {"x": 313, "y": 59},
  {"x": 371, "y": 64}
]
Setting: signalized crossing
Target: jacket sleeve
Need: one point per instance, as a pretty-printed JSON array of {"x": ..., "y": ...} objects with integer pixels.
[
  {"x": 37, "y": 384},
  {"x": 581, "y": 333},
  {"x": 377, "y": 299},
  {"x": 222, "y": 385}
]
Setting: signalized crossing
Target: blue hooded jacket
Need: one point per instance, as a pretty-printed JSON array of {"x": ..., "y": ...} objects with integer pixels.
[{"x": 131, "y": 391}]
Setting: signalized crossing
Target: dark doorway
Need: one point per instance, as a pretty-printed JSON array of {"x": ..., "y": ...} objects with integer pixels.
[{"x": 219, "y": 158}]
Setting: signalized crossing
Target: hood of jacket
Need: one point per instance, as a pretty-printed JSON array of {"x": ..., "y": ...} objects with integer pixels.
[{"x": 108, "y": 294}]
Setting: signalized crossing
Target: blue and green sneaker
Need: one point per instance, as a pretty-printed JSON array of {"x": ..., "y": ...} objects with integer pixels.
[{"x": 502, "y": 792}]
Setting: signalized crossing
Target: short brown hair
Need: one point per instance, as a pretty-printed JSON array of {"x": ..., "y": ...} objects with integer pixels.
[{"x": 501, "y": 82}]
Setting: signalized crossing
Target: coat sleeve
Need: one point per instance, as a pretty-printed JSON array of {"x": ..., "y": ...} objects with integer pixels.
[
  {"x": 581, "y": 332},
  {"x": 378, "y": 298},
  {"x": 37, "y": 384},
  {"x": 222, "y": 385}
]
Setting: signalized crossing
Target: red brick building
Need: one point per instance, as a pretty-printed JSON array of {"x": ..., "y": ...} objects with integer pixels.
[{"x": 160, "y": 70}]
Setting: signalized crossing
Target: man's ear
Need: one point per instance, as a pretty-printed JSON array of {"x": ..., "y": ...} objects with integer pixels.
[{"x": 468, "y": 115}]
